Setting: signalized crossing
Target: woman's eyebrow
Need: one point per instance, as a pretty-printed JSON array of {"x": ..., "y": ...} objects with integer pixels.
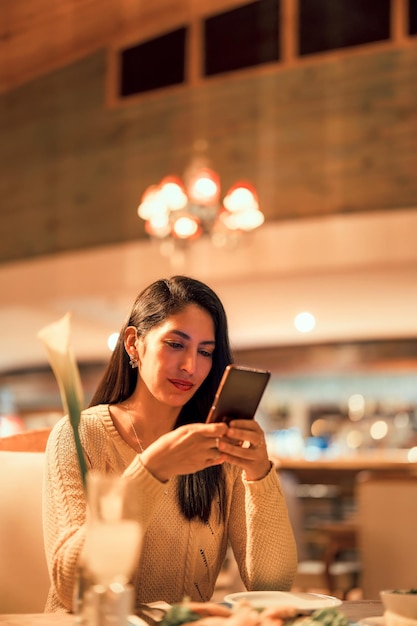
[{"x": 180, "y": 333}]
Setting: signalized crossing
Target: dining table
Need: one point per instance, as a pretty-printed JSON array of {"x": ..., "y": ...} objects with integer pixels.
[{"x": 354, "y": 610}]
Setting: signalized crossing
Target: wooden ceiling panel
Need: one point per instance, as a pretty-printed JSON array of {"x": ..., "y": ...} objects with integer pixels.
[{"x": 39, "y": 36}]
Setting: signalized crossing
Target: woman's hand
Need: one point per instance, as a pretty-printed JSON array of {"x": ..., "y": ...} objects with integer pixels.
[
  {"x": 185, "y": 450},
  {"x": 244, "y": 445}
]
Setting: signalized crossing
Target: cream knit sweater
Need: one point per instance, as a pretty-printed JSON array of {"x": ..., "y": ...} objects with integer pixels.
[{"x": 179, "y": 558}]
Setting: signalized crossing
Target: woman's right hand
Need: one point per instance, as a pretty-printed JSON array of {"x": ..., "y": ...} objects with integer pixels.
[{"x": 185, "y": 450}]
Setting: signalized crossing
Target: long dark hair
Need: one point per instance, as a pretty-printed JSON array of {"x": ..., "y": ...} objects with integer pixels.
[{"x": 153, "y": 306}]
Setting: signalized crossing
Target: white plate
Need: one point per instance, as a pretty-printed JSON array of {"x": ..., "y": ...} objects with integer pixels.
[
  {"x": 134, "y": 620},
  {"x": 372, "y": 621},
  {"x": 302, "y": 601}
]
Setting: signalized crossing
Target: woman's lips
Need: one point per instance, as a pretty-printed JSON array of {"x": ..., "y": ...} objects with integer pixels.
[{"x": 183, "y": 385}]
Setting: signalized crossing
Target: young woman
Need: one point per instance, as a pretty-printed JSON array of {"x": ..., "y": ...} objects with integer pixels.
[{"x": 198, "y": 488}]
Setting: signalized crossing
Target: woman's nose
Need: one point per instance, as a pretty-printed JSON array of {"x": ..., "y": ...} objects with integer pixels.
[{"x": 188, "y": 362}]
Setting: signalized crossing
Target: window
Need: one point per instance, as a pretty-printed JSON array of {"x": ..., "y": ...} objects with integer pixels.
[
  {"x": 153, "y": 64},
  {"x": 331, "y": 24},
  {"x": 412, "y": 16},
  {"x": 248, "y": 36},
  {"x": 244, "y": 37}
]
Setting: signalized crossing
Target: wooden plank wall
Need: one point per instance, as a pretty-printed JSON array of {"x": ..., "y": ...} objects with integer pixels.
[{"x": 337, "y": 134}]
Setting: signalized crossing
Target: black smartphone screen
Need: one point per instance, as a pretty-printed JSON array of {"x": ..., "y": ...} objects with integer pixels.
[{"x": 239, "y": 393}]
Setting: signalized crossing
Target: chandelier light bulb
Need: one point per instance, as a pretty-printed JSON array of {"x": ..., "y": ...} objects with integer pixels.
[
  {"x": 229, "y": 220},
  {"x": 240, "y": 198},
  {"x": 186, "y": 227},
  {"x": 158, "y": 225},
  {"x": 243, "y": 220},
  {"x": 184, "y": 213},
  {"x": 204, "y": 187},
  {"x": 249, "y": 219},
  {"x": 173, "y": 194},
  {"x": 152, "y": 203}
]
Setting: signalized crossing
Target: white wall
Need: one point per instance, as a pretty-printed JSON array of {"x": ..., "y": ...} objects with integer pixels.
[{"x": 356, "y": 273}]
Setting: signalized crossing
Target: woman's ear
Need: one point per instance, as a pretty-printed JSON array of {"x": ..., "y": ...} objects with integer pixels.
[{"x": 130, "y": 340}]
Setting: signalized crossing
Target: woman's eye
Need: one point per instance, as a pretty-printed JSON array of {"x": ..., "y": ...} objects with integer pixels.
[
  {"x": 175, "y": 345},
  {"x": 206, "y": 353}
]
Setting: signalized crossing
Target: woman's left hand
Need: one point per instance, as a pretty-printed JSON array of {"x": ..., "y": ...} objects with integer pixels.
[{"x": 244, "y": 445}]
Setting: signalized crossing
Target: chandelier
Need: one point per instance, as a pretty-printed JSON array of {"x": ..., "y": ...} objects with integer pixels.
[{"x": 183, "y": 212}]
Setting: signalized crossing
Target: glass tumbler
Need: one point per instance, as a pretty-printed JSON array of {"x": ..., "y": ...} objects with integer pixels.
[{"x": 112, "y": 549}]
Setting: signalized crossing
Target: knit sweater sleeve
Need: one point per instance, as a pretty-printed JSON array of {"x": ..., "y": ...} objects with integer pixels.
[
  {"x": 64, "y": 500},
  {"x": 261, "y": 535},
  {"x": 63, "y": 512}
]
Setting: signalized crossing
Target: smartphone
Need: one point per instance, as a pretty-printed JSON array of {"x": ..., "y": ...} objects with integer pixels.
[{"x": 238, "y": 394}]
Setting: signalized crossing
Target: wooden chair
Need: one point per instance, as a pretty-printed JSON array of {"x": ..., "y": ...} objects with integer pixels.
[
  {"x": 326, "y": 574},
  {"x": 387, "y": 532},
  {"x": 24, "y": 578},
  {"x": 331, "y": 574},
  {"x": 27, "y": 441}
]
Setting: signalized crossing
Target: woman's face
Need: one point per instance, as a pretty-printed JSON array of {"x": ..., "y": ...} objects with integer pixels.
[{"x": 176, "y": 356}]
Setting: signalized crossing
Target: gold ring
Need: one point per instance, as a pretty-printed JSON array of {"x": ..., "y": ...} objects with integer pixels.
[
  {"x": 217, "y": 442},
  {"x": 245, "y": 444}
]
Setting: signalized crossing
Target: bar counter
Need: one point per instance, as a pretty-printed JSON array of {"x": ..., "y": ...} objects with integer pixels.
[{"x": 328, "y": 470}]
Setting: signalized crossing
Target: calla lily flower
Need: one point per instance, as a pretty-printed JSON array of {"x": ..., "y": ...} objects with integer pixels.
[{"x": 56, "y": 339}]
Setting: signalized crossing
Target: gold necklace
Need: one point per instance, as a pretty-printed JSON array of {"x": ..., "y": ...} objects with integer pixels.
[{"x": 126, "y": 408}]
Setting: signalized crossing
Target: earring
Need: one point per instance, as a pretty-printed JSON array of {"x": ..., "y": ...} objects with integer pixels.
[{"x": 134, "y": 363}]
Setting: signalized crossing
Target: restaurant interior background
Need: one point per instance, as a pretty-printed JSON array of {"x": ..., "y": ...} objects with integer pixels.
[{"x": 314, "y": 103}]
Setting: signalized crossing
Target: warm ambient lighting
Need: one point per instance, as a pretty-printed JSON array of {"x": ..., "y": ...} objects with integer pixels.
[
  {"x": 112, "y": 341},
  {"x": 304, "y": 322},
  {"x": 185, "y": 212}
]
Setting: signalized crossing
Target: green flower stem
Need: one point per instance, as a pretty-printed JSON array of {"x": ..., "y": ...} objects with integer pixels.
[
  {"x": 74, "y": 411},
  {"x": 56, "y": 339}
]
